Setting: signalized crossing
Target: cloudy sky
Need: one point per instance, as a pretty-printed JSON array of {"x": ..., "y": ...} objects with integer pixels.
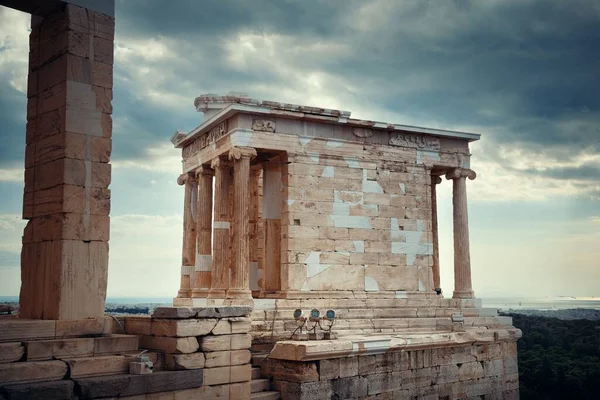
[{"x": 523, "y": 73}]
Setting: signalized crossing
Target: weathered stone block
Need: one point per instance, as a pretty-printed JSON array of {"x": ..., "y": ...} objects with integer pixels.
[
  {"x": 217, "y": 375},
  {"x": 10, "y": 352},
  {"x": 201, "y": 312},
  {"x": 182, "y": 328},
  {"x": 56, "y": 390},
  {"x": 294, "y": 371},
  {"x": 346, "y": 388},
  {"x": 49, "y": 349},
  {"x": 138, "y": 325},
  {"x": 71, "y": 226},
  {"x": 384, "y": 382},
  {"x": 304, "y": 390},
  {"x": 329, "y": 369},
  {"x": 184, "y": 361},
  {"x": 169, "y": 344},
  {"x": 32, "y": 371}
]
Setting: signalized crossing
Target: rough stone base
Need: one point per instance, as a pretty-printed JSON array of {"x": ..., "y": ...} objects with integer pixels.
[{"x": 486, "y": 371}]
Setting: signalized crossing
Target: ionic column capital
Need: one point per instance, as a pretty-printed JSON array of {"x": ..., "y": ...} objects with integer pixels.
[
  {"x": 461, "y": 173},
  {"x": 204, "y": 170},
  {"x": 218, "y": 162},
  {"x": 183, "y": 178},
  {"x": 237, "y": 153},
  {"x": 436, "y": 179}
]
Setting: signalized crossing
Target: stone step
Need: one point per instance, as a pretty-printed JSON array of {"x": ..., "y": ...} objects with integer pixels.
[
  {"x": 105, "y": 364},
  {"x": 265, "y": 395},
  {"x": 255, "y": 372},
  {"x": 38, "y": 350},
  {"x": 260, "y": 385},
  {"x": 257, "y": 358}
]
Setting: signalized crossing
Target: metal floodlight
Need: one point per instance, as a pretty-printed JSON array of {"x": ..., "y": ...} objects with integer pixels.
[
  {"x": 298, "y": 314},
  {"x": 330, "y": 315},
  {"x": 314, "y": 314}
]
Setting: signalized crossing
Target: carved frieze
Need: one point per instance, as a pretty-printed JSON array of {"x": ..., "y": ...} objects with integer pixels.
[
  {"x": 415, "y": 141},
  {"x": 263, "y": 125},
  {"x": 362, "y": 133},
  {"x": 210, "y": 137}
]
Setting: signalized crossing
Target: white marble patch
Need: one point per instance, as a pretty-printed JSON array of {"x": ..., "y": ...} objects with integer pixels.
[
  {"x": 429, "y": 154},
  {"x": 359, "y": 246},
  {"x": 402, "y": 187},
  {"x": 255, "y": 275},
  {"x": 203, "y": 262},
  {"x": 352, "y": 163},
  {"x": 334, "y": 143},
  {"x": 371, "y": 284},
  {"x": 328, "y": 172},
  {"x": 314, "y": 157},
  {"x": 290, "y": 202},
  {"x": 401, "y": 294},
  {"x": 370, "y": 186},
  {"x": 340, "y": 209},
  {"x": 187, "y": 269},
  {"x": 313, "y": 257},
  {"x": 304, "y": 140},
  {"x": 412, "y": 250},
  {"x": 315, "y": 269}
]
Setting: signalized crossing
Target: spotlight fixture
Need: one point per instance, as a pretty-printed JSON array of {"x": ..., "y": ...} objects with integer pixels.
[
  {"x": 314, "y": 315},
  {"x": 298, "y": 314},
  {"x": 330, "y": 315}
]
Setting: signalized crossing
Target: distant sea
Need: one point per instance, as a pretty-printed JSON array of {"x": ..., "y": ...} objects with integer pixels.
[
  {"x": 502, "y": 303},
  {"x": 542, "y": 303}
]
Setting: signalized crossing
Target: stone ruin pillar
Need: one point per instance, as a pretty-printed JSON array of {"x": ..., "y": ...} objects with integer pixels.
[
  {"x": 240, "y": 272},
  {"x": 188, "y": 252},
  {"x": 462, "y": 258},
  {"x": 64, "y": 259},
  {"x": 221, "y": 224},
  {"x": 435, "y": 180},
  {"x": 202, "y": 272}
]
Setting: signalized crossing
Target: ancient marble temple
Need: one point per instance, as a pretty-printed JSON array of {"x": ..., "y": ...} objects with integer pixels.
[
  {"x": 292, "y": 208},
  {"x": 300, "y": 202}
]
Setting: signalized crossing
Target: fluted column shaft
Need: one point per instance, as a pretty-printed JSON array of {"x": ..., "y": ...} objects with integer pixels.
[
  {"x": 240, "y": 271},
  {"x": 462, "y": 258},
  {"x": 435, "y": 180},
  {"x": 221, "y": 225},
  {"x": 188, "y": 253},
  {"x": 202, "y": 272}
]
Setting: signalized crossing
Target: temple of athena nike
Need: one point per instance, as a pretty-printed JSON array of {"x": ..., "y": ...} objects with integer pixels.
[{"x": 310, "y": 266}]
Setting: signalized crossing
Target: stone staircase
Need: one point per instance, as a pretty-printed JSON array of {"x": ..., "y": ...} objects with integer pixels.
[{"x": 261, "y": 387}]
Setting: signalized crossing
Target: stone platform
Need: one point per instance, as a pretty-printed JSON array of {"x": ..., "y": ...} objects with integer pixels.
[
  {"x": 196, "y": 353},
  {"x": 470, "y": 364}
]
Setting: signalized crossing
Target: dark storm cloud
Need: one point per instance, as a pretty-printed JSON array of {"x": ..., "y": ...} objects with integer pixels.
[{"x": 522, "y": 72}]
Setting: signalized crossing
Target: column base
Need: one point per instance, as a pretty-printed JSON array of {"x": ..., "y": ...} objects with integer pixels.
[
  {"x": 200, "y": 293},
  {"x": 184, "y": 294},
  {"x": 463, "y": 294},
  {"x": 217, "y": 294},
  {"x": 239, "y": 294}
]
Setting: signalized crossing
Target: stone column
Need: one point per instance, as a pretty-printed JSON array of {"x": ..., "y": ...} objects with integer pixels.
[
  {"x": 64, "y": 259},
  {"x": 240, "y": 271},
  {"x": 221, "y": 254},
  {"x": 272, "y": 199},
  {"x": 202, "y": 272},
  {"x": 435, "y": 180},
  {"x": 462, "y": 258},
  {"x": 255, "y": 174},
  {"x": 188, "y": 252}
]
